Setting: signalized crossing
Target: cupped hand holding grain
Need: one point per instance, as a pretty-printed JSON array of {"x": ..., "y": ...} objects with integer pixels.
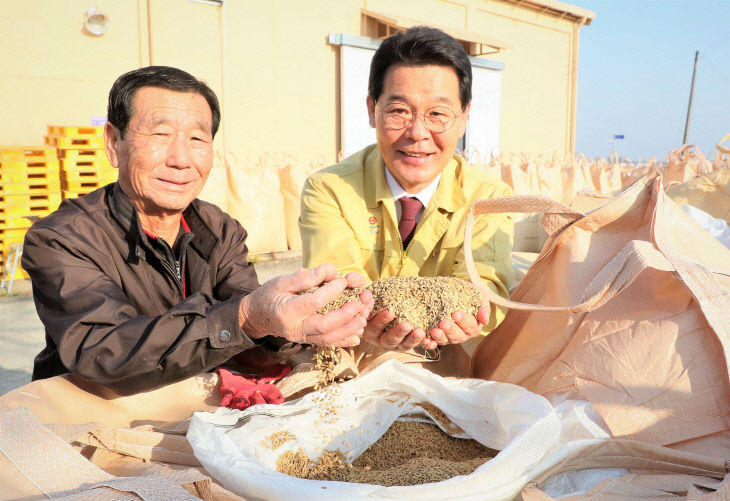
[
  {"x": 279, "y": 308},
  {"x": 401, "y": 336},
  {"x": 459, "y": 328}
]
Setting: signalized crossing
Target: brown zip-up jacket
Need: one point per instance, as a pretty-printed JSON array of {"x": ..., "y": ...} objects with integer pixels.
[{"x": 111, "y": 298}]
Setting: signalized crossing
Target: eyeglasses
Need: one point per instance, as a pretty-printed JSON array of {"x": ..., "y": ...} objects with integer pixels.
[{"x": 397, "y": 116}]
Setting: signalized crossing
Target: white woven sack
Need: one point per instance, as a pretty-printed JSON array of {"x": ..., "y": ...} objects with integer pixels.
[{"x": 531, "y": 434}]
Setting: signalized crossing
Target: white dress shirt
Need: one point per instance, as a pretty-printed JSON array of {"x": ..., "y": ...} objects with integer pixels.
[{"x": 424, "y": 195}]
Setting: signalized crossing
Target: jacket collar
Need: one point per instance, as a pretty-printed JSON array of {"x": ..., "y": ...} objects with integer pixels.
[
  {"x": 376, "y": 186},
  {"x": 125, "y": 214},
  {"x": 449, "y": 195}
]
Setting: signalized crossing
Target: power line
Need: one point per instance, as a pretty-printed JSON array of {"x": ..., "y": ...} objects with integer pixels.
[
  {"x": 716, "y": 45},
  {"x": 717, "y": 70}
]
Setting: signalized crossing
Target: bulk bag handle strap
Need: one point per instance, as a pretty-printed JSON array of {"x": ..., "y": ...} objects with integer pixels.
[{"x": 635, "y": 257}]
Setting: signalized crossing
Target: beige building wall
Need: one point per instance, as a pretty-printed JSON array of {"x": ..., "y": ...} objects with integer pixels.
[
  {"x": 276, "y": 75},
  {"x": 539, "y": 81},
  {"x": 53, "y": 74}
]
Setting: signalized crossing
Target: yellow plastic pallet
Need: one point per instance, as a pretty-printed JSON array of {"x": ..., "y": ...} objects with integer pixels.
[
  {"x": 87, "y": 163},
  {"x": 12, "y": 234},
  {"x": 23, "y": 199},
  {"x": 72, "y": 143},
  {"x": 27, "y": 202},
  {"x": 5, "y": 249},
  {"x": 89, "y": 154},
  {"x": 90, "y": 174},
  {"x": 35, "y": 163},
  {"x": 20, "y": 273},
  {"x": 15, "y": 173},
  {"x": 76, "y": 131},
  {"x": 31, "y": 188},
  {"x": 15, "y": 200},
  {"x": 83, "y": 186},
  {"x": 83, "y": 190},
  {"x": 7, "y": 243},
  {"x": 33, "y": 209},
  {"x": 9, "y": 222},
  {"x": 28, "y": 153}
]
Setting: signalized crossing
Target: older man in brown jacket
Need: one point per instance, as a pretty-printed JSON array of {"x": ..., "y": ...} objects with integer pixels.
[{"x": 140, "y": 284}]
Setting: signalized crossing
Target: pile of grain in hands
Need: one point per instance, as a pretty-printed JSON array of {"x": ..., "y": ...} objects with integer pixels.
[
  {"x": 424, "y": 301},
  {"x": 421, "y": 301}
]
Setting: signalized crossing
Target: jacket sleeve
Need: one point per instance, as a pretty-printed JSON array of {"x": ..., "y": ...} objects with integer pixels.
[
  {"x": 492, "y": 241},
  {"x": 102, "y": 337},
  {"x": 326, "y": 235}
]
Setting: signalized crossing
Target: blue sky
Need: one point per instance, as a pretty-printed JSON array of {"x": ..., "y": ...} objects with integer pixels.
[{"x": 635, "y": 73}]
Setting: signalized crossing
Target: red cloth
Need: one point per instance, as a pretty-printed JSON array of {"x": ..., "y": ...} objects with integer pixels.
[{"x": 239, "y": 391}]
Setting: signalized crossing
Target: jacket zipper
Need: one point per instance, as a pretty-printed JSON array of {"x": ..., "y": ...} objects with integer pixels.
[
  {"x": 179, "y": 266},
  {"x": 175, "y": 274}
]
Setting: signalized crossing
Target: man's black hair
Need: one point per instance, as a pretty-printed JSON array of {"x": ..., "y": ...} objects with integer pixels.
[
  {"x": 126, "y": 86},
  {"x": 421, "y": 46}
]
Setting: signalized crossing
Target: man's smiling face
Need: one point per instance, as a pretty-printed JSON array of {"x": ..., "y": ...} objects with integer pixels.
[
  {"x": 167, "y": 151},
  {"x": 415, "y": 155}
]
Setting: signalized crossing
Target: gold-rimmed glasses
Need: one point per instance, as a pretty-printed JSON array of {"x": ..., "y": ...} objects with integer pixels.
[{"x": 397, "y": 116}]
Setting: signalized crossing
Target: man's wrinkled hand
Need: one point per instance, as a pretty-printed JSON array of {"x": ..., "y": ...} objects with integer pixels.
[{"x": 279, "y": 308}]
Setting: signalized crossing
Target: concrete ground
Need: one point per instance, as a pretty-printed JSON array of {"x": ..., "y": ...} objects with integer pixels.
[{"x": 22, "y": 334}]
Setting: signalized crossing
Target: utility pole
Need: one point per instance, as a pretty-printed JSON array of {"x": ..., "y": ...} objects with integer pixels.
[
  {"x": 613, "y": 139},
  {"x": 691, "y": 95}
]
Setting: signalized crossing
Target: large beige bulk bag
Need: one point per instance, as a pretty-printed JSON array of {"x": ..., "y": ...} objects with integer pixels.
[
  {"x": 254, "y": 199},
  {"x": 606, "y": 175},
  {"x": 632, "y": 173},
  {"x": 550, "y": 180},
  {"x": 577, "y": 178},
  {"x": 635, "y": 318},
  {"x": 685, "y": 163},
  {"x": 75, "y": 440},
  {"x": 632, "y": 471},
  {"x": 493, "y": 169},
  {"x": 710, "y": 192},
  {"x": 215, "y": 190},
  {"x": 722, "y": 155},
  {"x": 292, "y": 175},
  {"x": 291, "y": 197},
  {"x": 529, "y": 234}
]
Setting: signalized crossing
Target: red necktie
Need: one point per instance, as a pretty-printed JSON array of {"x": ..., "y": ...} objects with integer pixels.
[{"x": 409, "y": 212}]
